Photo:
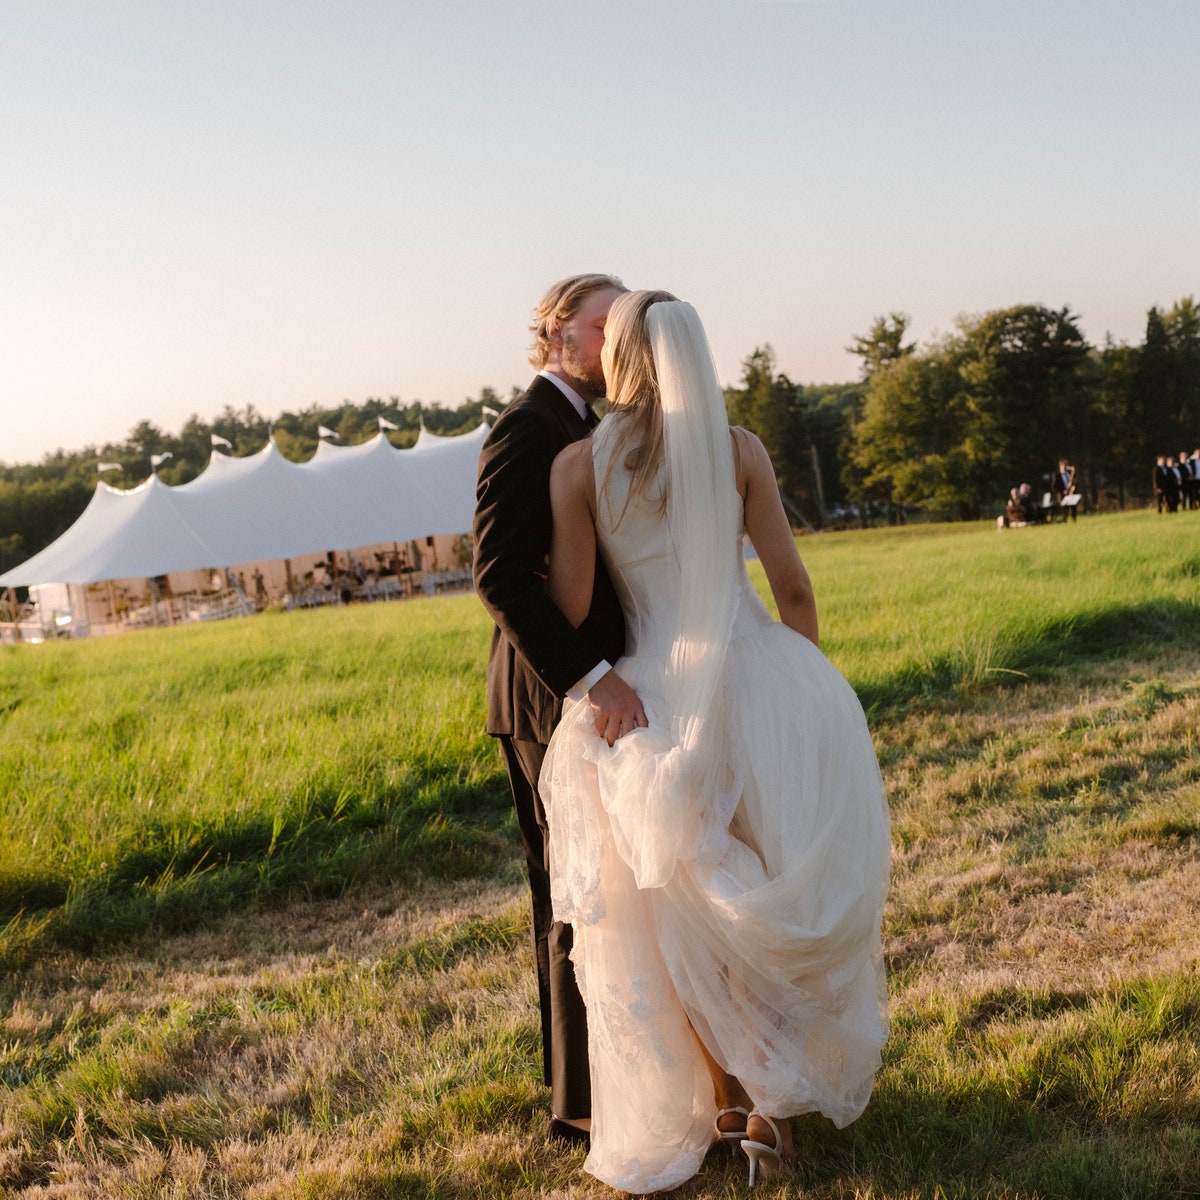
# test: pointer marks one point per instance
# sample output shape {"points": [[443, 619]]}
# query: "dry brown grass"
{"points": [[275, 1051], [1047, 838]]}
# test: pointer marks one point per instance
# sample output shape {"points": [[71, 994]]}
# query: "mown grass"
{"points": [[267, 931]]}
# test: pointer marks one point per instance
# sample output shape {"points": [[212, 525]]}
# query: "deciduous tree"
{"points": [[994, 403], [883, 344], [773, 407]]}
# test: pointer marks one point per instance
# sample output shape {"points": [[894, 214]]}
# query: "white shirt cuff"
{"points": [[584, 686]]}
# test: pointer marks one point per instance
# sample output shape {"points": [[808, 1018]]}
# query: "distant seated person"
{"points": [[1014, 511], [1062, 485], [1033, 510]]}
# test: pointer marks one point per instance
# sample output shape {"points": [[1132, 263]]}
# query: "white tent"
{"points": [[264, 507]]}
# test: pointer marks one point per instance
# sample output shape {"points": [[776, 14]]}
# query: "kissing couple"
{"points": [[703, 817]]}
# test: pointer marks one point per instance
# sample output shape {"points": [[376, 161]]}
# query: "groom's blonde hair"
{"points": [[560, 304]]}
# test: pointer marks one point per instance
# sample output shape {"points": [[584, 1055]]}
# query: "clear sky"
{"points": [[289, 203]]}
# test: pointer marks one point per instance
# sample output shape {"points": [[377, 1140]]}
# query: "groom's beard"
{"points": [[586, 375]]}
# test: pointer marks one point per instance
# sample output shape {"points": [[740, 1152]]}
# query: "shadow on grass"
{"points": [[1043, 651], [982, 1145], [168, 878], [1073, 1094]]}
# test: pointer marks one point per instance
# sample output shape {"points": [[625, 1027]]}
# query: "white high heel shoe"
{"points": [[770, 1156], [732, 1138]]}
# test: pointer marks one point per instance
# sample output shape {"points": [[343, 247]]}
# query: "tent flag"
{"points": [[264, 507]]}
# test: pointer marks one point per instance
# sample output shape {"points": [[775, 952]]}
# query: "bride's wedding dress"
{"points": [[762, 859]]}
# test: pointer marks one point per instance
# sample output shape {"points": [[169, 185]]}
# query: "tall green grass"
{"points": [[930, 609], [169, 776], [165, 777]]}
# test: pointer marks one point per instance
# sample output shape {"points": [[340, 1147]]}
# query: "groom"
{"points": [[536, 656]]}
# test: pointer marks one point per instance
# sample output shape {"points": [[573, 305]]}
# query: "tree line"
{"points": [[945, 428]]}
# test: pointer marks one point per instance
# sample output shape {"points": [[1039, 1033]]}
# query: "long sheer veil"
{"points": [[686, 787], [701, 511]]}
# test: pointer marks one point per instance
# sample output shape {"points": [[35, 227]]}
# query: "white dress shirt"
{"points": [[579, 403]]}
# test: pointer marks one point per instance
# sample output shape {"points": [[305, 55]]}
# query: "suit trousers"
{"points": [[564, 1014]]}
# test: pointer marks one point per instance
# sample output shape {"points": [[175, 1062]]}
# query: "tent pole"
{"points": [[112, 602], [167, 589], [287, 569]]}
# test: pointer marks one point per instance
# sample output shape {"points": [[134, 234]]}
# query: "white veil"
{"points": [[685, 785], [701, 512]]}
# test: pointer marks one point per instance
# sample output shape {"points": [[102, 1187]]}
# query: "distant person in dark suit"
{"points": [[537, 657], [1159, 480], [1187, 481], [1172, 484]]}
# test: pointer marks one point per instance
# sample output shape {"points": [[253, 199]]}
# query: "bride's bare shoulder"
{"points": [[571, 458], [748, 453], [572, 468], [743, 440]]}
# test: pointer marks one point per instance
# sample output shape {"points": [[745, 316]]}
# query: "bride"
{"points": [[725, 864]]}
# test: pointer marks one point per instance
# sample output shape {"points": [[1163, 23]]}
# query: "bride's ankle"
{"points": [[731, 1118], [759, 1129]]}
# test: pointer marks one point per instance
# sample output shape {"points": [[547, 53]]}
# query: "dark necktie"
{"points": [[591, 420]]}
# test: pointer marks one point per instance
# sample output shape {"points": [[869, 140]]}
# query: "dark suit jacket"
{"points": [[1063, 486], [1170, 483], [535, 655]]}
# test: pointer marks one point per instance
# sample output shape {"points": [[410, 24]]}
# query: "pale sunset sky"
{"points": [[288, 203]]}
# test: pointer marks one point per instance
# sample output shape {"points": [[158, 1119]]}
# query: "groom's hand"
{"points": [[615, 707]]}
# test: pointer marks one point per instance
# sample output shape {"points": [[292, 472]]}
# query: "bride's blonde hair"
{"points": [[632, 387]]}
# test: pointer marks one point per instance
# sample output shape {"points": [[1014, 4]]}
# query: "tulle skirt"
{"points": [[764, 939]]}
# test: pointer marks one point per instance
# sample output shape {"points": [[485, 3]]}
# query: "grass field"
{"points": [[263, 929]]}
